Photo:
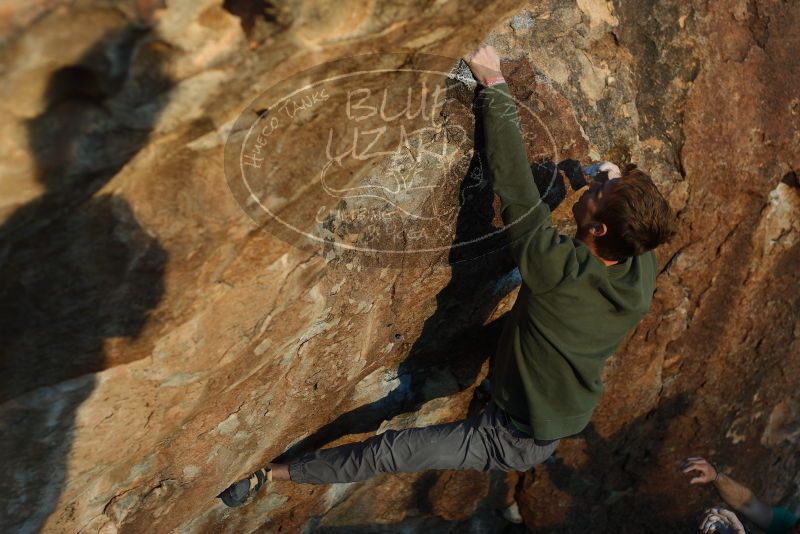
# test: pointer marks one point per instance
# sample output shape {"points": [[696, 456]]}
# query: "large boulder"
{"points": [[162, 337]]}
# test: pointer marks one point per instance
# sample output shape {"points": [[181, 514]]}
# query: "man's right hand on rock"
{"points": [[484, 63]]}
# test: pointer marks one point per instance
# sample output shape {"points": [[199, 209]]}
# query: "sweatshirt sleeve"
{"points": [[782, 521], [545, 257]]}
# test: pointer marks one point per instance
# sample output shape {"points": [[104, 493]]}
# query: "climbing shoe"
{"points": [[512, 514], [242, 492]]}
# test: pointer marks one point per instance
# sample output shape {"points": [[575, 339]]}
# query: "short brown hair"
{"points": [[637, 216]]}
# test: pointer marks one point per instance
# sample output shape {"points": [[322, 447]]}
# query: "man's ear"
{"points": [[598, 229]]}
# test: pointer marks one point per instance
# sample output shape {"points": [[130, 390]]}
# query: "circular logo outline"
{"points": [[450, 75]]}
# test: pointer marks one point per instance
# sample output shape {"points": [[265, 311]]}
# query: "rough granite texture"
{"points": [[157, 345]]}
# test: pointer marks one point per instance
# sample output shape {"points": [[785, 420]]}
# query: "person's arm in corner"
{"points": [[738, 496], [544, 256]]}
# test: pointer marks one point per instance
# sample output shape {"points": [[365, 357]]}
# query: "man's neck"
{"points": [[589, 242]]}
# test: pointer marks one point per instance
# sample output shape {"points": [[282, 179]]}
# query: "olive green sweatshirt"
{"points": [[572, 311]]}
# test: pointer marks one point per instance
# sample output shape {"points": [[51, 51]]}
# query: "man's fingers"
{"points": [[711, 522], [686, 467], [693, 460], [729, 516], [695, 466], [469, 55], [611, 169]]}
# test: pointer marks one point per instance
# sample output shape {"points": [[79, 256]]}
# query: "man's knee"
{"points": [[525, 455], [541, 453]]}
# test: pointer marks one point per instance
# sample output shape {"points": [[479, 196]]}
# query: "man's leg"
{"points": [[445, 446], [482, 443]]}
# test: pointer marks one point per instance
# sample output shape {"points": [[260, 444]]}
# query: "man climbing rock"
{"points": [[579, 298]]}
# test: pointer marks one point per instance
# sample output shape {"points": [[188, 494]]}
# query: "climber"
{"points": [[773, 520], [580, 297]]}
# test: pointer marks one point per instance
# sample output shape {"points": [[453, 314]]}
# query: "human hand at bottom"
{"points": [[703, 470], [721, 521]]}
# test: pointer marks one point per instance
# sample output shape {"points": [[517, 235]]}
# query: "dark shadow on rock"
{"points": [[76, 268], [605, 495], [446, 358], [252, 13], [420, 490], [484, 519]]}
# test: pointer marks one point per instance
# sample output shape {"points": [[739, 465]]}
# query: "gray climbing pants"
{"points": [[484, 442]]}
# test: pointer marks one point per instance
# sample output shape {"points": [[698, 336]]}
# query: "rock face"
{"points": [[158, 344]]}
